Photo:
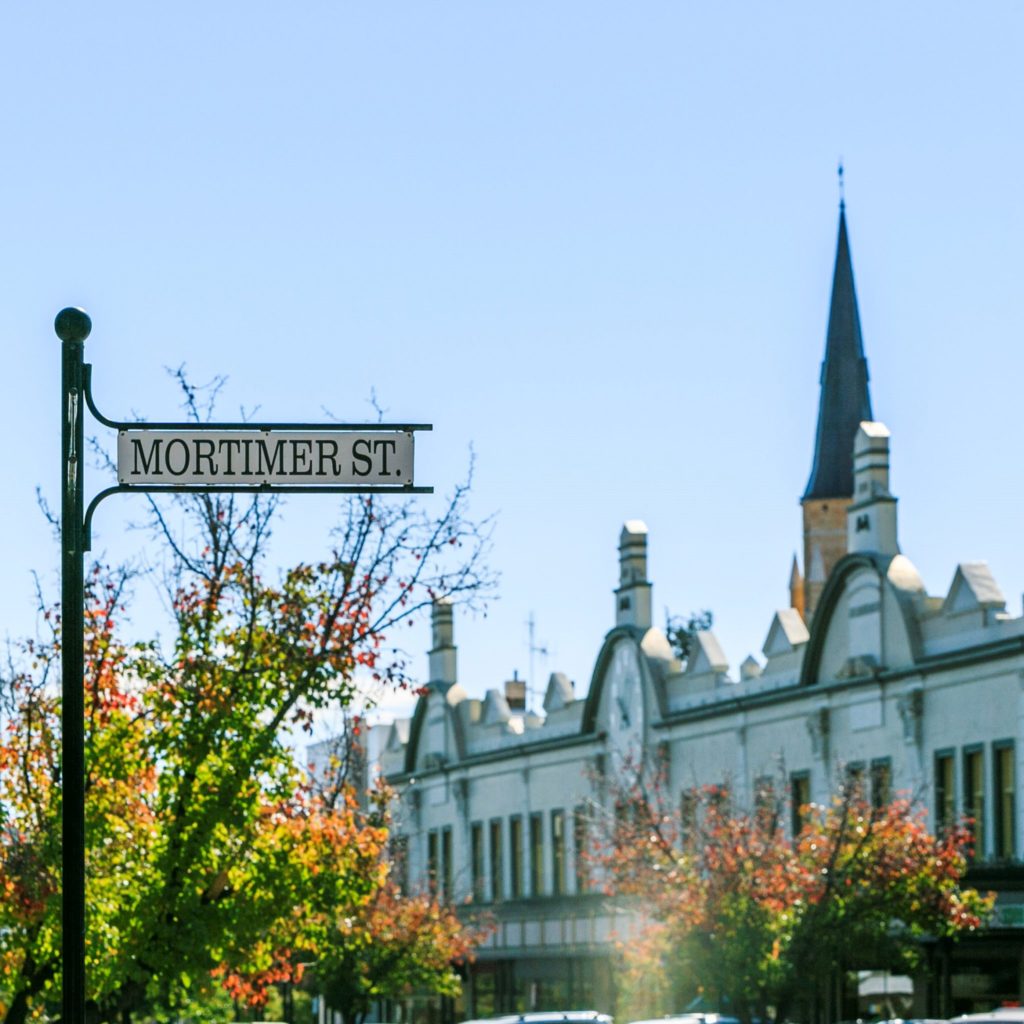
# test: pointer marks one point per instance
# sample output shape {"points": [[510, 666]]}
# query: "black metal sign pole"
{"points": [[72, 327]]}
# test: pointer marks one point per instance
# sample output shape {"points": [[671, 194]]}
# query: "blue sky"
{"points": [[594, 241]]}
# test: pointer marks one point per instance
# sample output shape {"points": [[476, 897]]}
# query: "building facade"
{"points": [[865, 673]]}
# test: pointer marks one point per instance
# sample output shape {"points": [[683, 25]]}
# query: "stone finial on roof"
{"points": [[973, 588], [707, 654], [398, 734], [633, 594], [787, 632], [559, 693], [796, 587], [495, 708], [443, 652], [750, 668]]}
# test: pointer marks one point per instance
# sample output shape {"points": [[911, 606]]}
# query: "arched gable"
{"points": [[875, 584], [438, 705], [647, 644]]}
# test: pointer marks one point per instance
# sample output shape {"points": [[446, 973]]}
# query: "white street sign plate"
{"points": [[255, 457]]}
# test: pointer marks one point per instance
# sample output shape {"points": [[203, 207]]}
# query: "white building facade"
{"points": [[864, 673]]}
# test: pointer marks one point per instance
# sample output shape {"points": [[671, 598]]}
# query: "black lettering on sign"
{"points": [[360, 452], [150, 465], [183, 460], [225, 449], [389, 448], [323, 455], [204, 453], [301, 451], [263, 455], [248, 447]]}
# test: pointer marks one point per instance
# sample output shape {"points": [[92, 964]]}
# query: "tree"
{"points": [[197, 816], [754, 920], [682, 632], [393, 946]]}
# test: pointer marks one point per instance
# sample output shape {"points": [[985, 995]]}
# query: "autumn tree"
{"points": [[196, 814], [366, 943], [737, 910]]}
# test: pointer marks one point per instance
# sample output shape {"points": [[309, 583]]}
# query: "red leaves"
{"points": [[732, 898]]}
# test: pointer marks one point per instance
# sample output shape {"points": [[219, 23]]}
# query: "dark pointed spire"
{"points": [[845, 399]]}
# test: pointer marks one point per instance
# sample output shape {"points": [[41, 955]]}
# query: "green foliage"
{"points": [[203, 839], [739, 912], [682, 632]]}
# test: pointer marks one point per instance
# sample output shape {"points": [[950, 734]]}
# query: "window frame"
{"points": [[515, 848], [478, 866], [495, 840], [797, 820], [946, 798], [1004, 833], [978, 830], [536, 841], [558, 880]]}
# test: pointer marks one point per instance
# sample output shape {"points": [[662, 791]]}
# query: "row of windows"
{"points": [[973, 793], [527, 841], [490, 843], [873, 779]]}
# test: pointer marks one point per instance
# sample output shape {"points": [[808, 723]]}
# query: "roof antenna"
{"points": [[842, 197], [535, 648]]}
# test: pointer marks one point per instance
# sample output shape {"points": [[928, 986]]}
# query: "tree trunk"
{"points": [[37, 977], [18, 1009]]}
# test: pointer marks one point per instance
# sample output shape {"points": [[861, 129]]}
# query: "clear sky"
{"points": [[592, 240]]}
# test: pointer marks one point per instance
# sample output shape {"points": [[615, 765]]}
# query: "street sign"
{"points": [[160, 458], [264, 458]]}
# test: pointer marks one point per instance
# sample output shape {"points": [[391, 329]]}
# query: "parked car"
{"points": [[548, 1017], [1001, 1015], [690, 1018]]}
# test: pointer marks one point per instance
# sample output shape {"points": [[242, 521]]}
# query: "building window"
{"points": [[446, 861], [974, 796], [765, 811], [854, 776], [881, 783], [579, 839], [945, 791], [476, 842], [558, 852], [400, 858], [688, 803], [1005, 799], [536, 855], [799, 799], [497, 889], [515, 859], [432, 863]]}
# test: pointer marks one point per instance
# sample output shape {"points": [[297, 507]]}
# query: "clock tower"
{"points": [[633, 595]]}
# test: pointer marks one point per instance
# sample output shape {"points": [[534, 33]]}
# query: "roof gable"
{"points": [[787, 632], [559, 693], [973, 588], [707, 654]]}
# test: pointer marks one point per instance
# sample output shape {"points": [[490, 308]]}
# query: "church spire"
{"points": [[845, 400]]}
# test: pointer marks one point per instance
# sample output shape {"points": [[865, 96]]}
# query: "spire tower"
{"points": [[844, 403]]}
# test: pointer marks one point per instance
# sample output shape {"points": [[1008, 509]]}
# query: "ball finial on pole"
{"points": [[72, 324]]}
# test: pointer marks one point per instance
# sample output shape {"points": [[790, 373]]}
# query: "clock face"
{"points": [[625, 700]]}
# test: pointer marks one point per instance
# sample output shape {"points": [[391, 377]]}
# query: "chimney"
{"points": [[633, 596], [871, 519], [442, 654], [515, 693]]}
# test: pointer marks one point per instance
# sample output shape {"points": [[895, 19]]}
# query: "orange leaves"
{"points": [[734, 901]]}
